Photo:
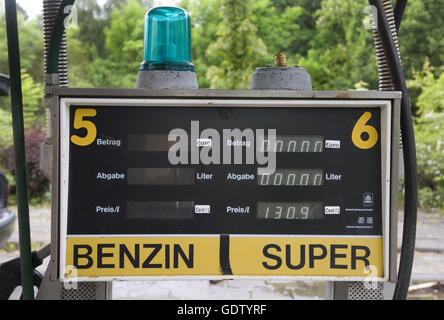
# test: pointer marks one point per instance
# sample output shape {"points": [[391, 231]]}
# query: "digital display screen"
{"points": [[161, 176], [292, 177], [149, 142], [290, 210], [160, 209], [220, 178], [286, 143]]}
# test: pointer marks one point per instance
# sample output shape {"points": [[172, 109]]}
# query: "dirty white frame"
{"points": [[386, 114]]}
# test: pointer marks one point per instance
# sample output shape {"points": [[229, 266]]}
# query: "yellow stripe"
{"points": [[306, 256], [199, 256]]}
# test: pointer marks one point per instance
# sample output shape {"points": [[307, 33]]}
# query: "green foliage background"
{"points": [[230, 38]]}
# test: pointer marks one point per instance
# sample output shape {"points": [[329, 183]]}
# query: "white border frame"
{"points": [[386, 114]]}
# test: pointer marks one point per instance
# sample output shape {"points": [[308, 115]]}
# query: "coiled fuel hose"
{"points": [[391, 77], [55, 54]]}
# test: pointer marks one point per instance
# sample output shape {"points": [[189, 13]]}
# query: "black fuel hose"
{"points": [[19, 150], [409, 152], [398, 11]]}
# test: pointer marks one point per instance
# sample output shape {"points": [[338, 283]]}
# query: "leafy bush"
{"points": [[38, 184], [32, 115], [429, 131], [5, 139], [5, 128], [430, 154]]}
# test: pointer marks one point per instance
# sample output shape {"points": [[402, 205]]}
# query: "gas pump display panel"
{"points": [[163, 188]]}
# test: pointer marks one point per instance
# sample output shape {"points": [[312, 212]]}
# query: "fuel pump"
{"points": [[220, 184]]}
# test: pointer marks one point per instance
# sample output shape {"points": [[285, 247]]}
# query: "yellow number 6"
{"points": [[91, 130], [360, 128]]}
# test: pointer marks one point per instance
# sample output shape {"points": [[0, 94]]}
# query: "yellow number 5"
{"points": [[360, 127], [91, 130]]}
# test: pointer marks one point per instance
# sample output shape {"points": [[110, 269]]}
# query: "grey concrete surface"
{"points": [[281, 78], [428, 266], [166, 79]]}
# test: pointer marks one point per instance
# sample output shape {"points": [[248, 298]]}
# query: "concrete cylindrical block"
{"points": [[281, 78], [166, 79]]}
